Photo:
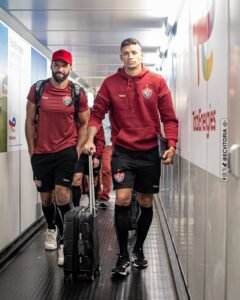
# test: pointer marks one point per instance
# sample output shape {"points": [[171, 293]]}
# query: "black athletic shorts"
{"points": [[139, 170], [83, 166], [54, 169]]}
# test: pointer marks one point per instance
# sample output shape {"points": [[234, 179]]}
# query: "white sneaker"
{"points": [[51, 239], [60, 255]]}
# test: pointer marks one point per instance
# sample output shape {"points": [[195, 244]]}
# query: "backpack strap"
{"points": [[75, 94], [75, 91], [39, 85]]}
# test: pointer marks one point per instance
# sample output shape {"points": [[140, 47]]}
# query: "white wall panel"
{"points": [[216, 200], [200, 97], [233, 204], [196, 231], [28, 193], [19, 200], [215, 238], [9, 187]]}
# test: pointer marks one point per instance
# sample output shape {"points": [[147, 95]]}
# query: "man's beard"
{"points": [[132, 68], [59, 79]]}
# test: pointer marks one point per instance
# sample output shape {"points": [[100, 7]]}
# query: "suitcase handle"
{"points": [[91, 187]]}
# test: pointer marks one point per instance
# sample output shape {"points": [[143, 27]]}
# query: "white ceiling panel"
{"points": [[93, 30], [159, 6], [88, 20]]}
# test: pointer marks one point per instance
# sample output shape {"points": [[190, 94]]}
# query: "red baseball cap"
{"points": [[62, 55]]}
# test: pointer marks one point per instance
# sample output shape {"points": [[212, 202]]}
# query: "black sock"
{"points": [[76, 195], [144, 223], [49, 214], [62, 209], [122, 225]]}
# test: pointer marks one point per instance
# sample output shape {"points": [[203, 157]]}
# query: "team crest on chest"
{"points": [[147, 92], [67, 100]]}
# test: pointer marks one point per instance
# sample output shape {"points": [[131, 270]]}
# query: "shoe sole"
{"points": [[140, 266], [60, 264], [50, 248], [120, 274], [103, 204], [102, 207]]}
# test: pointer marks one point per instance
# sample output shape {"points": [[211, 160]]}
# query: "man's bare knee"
{"points": [[62, 195], [145, 200], [77, 179], [123, 197], [46, 198]]}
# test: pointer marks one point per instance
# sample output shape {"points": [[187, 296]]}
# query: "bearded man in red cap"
{"points": [[54, 142]]}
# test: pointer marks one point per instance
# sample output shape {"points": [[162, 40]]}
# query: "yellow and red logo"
{"points": [[202, 30]]}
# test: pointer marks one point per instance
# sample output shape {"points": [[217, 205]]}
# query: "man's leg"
{"points": [[62, 199], [146, 183], [144, 223], [65, 166], [123, 198], [48, 209], [44, 180], [77, 188], [77, 183], [106, 177]]}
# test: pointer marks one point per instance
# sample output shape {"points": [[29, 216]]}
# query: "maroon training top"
{"points": [[56, 129], [136, 105]]}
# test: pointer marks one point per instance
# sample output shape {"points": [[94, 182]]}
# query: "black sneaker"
{"points": [[138, 259], [103, 203], [122, 266]]}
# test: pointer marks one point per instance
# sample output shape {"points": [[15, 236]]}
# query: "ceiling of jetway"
{"points": [[92, 30]]}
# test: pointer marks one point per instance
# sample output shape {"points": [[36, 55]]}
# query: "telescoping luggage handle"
{"points": [[91, 187]]}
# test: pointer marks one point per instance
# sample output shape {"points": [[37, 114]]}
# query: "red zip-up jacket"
{"points": [[99, 141], [136, 105]]}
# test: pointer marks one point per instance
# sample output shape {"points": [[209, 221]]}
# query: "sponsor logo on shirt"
{"points": [[147, 92], [67, 100], [122, 95]]}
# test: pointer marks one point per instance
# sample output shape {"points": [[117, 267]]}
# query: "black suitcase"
{"points": [[134, 212], [81, 245]]}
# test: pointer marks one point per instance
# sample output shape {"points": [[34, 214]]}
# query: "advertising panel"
{"points": [[3, 86], [18, 84], [208, 94], [38, 66], [20, 66]]}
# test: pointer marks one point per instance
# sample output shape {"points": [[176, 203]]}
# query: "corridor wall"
{"points": [[194, 189], [22, 62]]}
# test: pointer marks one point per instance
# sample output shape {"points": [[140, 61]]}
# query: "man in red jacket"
{"points": [[54, 143], [137, 100]]}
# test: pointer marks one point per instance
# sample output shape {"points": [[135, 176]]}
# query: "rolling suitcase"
{"points": [[81, 245]]}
